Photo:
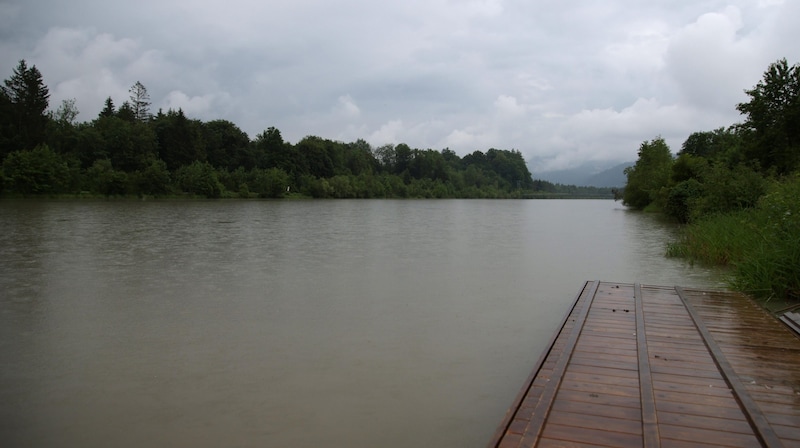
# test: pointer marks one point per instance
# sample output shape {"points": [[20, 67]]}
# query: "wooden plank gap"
{"points": [[650, 435], [758, 421]]}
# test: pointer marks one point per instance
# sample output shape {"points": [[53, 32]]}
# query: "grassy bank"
{"points": [[761, 245]]}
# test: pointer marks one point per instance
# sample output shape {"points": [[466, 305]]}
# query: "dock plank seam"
{"points": [[650, 433], [545, 404], [764, 431]]}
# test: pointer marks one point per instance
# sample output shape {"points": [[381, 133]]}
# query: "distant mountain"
{"points": [[588, 175], [612, 177]]}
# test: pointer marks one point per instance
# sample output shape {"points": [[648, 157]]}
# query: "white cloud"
{"points": [[389, 132], [347, 107], [508, 105], [565, 81], [707, 58], [198, 106], [459, 139]]}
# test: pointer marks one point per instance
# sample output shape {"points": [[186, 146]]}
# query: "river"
{"points": [[392, 323]]}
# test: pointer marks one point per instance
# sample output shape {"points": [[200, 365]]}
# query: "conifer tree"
{"points": [[108, 109], [28, 98]]}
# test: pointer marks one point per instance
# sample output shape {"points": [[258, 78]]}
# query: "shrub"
{"points": [[269, 183], [773, 268], [681, 199], [199, 178], [38, 171], [761, 244], [104, 179]]}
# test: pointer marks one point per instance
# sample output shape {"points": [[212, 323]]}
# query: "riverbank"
{"points": [[760, 245]]}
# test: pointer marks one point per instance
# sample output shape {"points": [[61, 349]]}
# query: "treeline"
{"points": [[738, 188], [126, 150]]}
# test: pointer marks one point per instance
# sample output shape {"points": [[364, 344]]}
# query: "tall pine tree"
{"points": [[26, 97]]}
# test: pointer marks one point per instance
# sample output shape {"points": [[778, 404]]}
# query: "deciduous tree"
{"points": [[773, 117], [649, 175]]}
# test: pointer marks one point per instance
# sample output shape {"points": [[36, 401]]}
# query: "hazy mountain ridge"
{"points": [[588, 175]]}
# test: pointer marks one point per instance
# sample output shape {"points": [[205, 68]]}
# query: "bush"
{"points": [[761, 244], [38, 171], [104, 179], [682, 198], [773, 268], [729, 189], [269, 183], [154, 179], [199, 178]]}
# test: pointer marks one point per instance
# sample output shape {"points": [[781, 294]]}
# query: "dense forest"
{"points": [[128, 151], [737, 188]]}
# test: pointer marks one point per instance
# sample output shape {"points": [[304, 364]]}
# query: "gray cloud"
{"points": [[563, 82]]}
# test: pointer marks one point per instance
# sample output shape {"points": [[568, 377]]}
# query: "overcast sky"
{"points": [[563, 82]]}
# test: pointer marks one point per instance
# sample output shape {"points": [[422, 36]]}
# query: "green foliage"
{"points": [[359, 158], [269, 183], [24, 99], [180, 140], [227, 146], [126, 151], [61, 134], [720, 144], [66, 112], [38, 171], [682, 199], [772, 269], [385, 157], [649, 176], [199, 178], [154, 179], [761, 244], [315, 157], [130, 145], [716, 239], [723, 184], [773, 118], [126, 112], [687, 167], [104, 179], [727, 189], [108, 108]]}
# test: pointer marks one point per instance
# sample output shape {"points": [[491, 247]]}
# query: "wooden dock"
{"points": [[650, 366]]}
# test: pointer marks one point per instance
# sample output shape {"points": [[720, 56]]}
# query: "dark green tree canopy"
{"points": [[227, 146], [180, 140], [650, 174], [125, 150], [773, 117], [27, 98], [108, 108]]}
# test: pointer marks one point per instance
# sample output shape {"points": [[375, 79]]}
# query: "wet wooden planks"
{"points": [[657, 366]]}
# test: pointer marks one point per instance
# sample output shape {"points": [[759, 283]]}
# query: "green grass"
{"points": [[761, 245], [718, 239]]}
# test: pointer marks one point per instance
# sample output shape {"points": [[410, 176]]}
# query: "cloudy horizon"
{"points": [[562, 82]]}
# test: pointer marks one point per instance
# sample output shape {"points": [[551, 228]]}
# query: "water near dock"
{"points": [[293, 323]]}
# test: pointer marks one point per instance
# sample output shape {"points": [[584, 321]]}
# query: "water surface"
{"points": [[294, 323]]}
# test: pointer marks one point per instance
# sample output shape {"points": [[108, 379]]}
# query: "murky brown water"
{"points": [[293, 324]]}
